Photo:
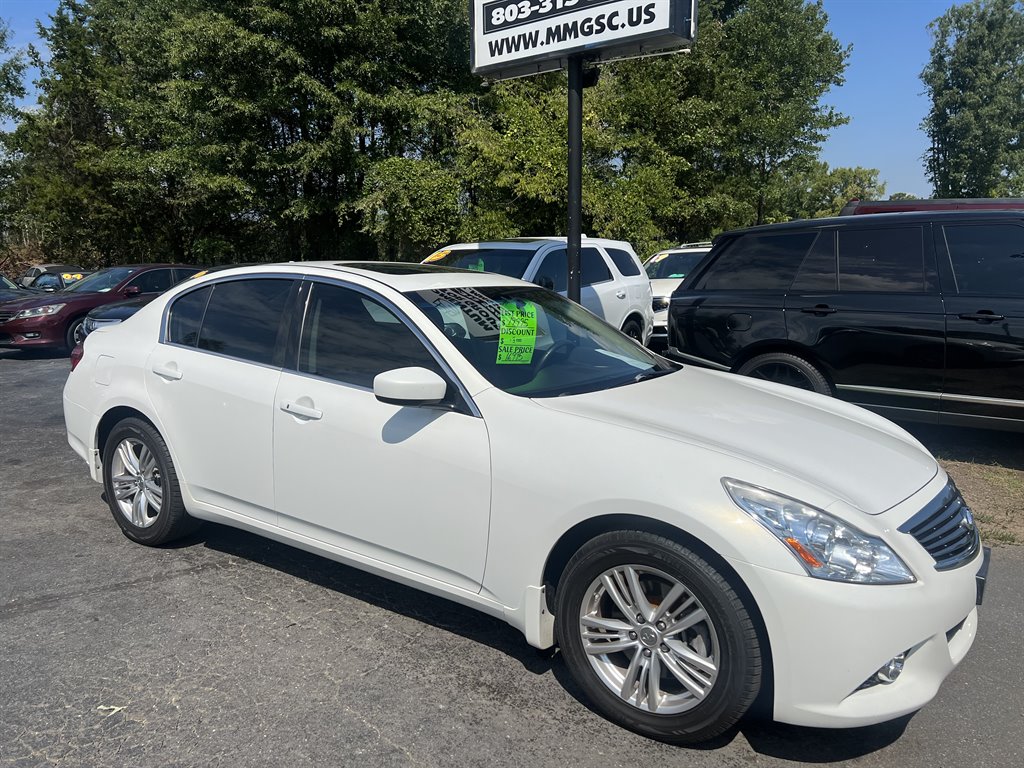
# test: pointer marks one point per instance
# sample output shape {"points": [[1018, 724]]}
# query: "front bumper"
{"points": [[31, 333], [829, 638]]}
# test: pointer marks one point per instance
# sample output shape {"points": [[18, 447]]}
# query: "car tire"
{"points": [[72, 331], [785, 368], [707, 670], [141, 485], [633, 329]]}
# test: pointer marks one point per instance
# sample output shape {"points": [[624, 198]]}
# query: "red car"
{"points": [[50, 320]]}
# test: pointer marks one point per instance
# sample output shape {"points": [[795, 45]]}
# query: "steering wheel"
{"points": [[542, 359]]}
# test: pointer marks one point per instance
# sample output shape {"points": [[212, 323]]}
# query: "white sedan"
{"points": [[690, 539]]}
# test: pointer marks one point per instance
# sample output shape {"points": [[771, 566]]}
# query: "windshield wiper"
{"points": [[653, 373]]}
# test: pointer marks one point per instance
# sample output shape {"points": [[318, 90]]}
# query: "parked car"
{"points": [[31, 273], [484, 439], [915, 315], [666, 270], [11, 291], [612, 281], [860, 207], [56, 281], [118, 312], [52, 320]]}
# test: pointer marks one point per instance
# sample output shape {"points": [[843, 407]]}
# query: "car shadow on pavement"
{"points": [[809, 745], [33, 354], [980, 446], [375, 590]]}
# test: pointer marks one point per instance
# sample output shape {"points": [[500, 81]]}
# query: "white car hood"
{"points": [[663, 286], [847, 452]]}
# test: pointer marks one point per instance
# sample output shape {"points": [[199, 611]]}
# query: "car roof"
{"points": [[877, 218], [532, 243], [402, 276]]}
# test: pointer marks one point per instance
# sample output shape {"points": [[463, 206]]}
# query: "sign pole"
{"points": [[575, 190]]}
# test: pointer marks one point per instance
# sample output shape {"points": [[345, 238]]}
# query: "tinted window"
{"points": [[47, 280], [759, 262], [818, 271], [678, 264], [351, 338], [504, 261], [882, 260], [184, 274], [624, 262], [243, 318], [554, 271], [154, 281], [988, 259], [185, 317], [101, 281], [593, 268]]}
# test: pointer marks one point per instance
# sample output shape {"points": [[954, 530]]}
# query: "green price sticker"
{"points": [[517, 333]]}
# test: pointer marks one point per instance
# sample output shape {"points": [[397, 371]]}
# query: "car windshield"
{"points": [[535, 343], [102, 281], [668, 265], [504, 261]]}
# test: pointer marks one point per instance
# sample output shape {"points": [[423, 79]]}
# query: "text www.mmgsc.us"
{"points": [[637, 16]]}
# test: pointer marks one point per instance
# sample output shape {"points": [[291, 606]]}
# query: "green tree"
{"points": [[818, 190], [975, 81]]}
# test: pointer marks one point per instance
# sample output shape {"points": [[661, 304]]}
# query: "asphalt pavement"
{"points": [[228, 649]]}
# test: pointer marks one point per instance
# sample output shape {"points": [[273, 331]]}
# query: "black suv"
{"points": [[915, 315]]}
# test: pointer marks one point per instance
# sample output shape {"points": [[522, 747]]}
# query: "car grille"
{"points": [[946, 529], [5, 316]]}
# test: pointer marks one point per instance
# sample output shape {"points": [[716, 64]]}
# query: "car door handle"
{"points": [[172, 374], [820, 309], [620, 294], [983, 316], [302, 411]]}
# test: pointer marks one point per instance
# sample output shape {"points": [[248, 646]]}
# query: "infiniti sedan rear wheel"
{"points": [[657, 637], [141, 485]]}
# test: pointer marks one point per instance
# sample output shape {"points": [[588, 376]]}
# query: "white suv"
{"points": [[613, 284], [667, 269]]}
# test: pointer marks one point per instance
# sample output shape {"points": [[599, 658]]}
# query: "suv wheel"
{"points": [[633, 329], [784, 368]]}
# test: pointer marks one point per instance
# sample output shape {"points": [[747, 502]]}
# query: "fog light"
{"points": [[888, 672], [31, 335]]}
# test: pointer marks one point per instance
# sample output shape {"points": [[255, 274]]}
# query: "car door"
{"points": [[865, 302], [407, 486], [213, 380], [983, 289], [737, 299]]}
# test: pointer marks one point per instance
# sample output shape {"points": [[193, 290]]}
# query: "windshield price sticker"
{"points": [[436, 256], [518, 333]]}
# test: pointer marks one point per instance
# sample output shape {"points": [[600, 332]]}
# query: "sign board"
{"points": [[514, 38]]}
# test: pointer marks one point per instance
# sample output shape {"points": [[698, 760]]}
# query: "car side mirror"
{"points": [[132, 290], [409, 386], [546, 282]]}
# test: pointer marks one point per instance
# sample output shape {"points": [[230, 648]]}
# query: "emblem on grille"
{"points": [[967, 521]]}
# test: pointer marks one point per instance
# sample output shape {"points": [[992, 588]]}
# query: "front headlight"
{"points": [[49, 309], [827, 547]]}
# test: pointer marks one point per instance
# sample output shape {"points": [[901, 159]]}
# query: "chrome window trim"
{"points": [[673, 352]]}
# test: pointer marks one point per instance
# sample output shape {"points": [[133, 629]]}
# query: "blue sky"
{"points": [[883, 95]]}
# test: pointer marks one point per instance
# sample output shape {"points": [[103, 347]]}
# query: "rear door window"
{"points": [[593, 268], [243, 319], [988, 259], [818, 271], [758, 262], [186, 316], [624, 262], [887, 260]]}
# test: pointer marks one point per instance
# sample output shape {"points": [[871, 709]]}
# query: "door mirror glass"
{"points": [[409, 386]]}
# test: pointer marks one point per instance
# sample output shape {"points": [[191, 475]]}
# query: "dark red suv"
{"points": [[50, 320]]}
